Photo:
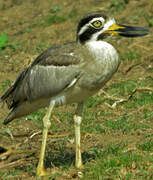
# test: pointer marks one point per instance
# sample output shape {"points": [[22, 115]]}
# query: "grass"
{"points": [[3, 41], [55, 9], [147, 146], [5, 85], [55, 17], [149, 20], [113, 159], [116, 163], [117, 143], [118, 5], [10, 174], [103, 160]]}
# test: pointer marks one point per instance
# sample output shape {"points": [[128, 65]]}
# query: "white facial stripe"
{"points": [[106, 26], [109, 23], [84, 28], [95, 19]]}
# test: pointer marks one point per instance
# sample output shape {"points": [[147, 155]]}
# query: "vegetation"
{"points": [[117, 127]]}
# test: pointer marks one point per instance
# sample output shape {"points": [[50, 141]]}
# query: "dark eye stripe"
{"points": [[85, 28], [86, 35], [89, 17]]}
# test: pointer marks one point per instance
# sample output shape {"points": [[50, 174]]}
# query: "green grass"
{"points": [[149, 20], [116, 143], [41, 47], [55, 9], [118, 5], [3, 41], [55, 17], [5, 85], [147, 146], [111, 162], [9, 175]]}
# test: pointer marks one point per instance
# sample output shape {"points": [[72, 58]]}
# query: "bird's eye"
{"points": [[97, 24]]}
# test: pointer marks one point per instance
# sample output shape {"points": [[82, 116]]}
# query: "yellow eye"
{"points": [[97, 24]]}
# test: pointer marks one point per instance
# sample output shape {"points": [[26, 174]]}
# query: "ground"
{"points": [[117, 128]]}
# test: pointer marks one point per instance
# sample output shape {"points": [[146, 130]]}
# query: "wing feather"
{"points": [[46, 81], [51, 72]]}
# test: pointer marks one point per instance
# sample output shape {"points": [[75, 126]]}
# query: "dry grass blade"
{"points": [[4, 155], [139, 46], [117, 136], [12, 164], [108, 96], [118, 100], [139, 89], [131, 67], [34, 134]]}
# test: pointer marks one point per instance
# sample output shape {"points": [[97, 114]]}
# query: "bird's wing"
{"points": [[49, 74]]}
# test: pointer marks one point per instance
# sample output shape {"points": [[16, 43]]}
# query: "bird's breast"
{"points": [[103, 64], [103, 54]]}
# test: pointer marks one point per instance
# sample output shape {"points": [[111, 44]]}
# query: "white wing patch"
{"points": [[72, 83], [69, 54]]}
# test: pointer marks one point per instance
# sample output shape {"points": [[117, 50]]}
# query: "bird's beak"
{"points": [[127, 31]]}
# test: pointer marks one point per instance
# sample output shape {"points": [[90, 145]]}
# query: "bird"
{"points": [[69, 73]]}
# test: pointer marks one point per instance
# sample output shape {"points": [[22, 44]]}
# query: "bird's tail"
{"points": [[9, 118], [7, 98]]}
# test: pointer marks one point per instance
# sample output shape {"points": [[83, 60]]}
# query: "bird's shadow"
{"points": [[66, 159]]}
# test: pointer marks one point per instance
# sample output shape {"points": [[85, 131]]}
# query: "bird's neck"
{"points": [[102, 51]]}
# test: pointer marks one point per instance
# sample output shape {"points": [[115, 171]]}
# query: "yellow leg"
{"points": [[77, 122], [46, 121]]}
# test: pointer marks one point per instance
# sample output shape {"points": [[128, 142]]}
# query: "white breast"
{"points": [[102, 50], [104, 54]]}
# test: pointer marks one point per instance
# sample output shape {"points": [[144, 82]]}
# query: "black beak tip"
{"points": [[131, 31]]}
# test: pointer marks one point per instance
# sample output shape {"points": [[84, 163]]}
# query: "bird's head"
{"points": [[98, 26]]}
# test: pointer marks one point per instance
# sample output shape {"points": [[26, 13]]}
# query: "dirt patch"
{"points": [[30, 29]]}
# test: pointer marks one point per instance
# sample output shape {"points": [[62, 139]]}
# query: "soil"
{"points": [[29, 33]]}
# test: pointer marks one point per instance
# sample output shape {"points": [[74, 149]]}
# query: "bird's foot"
{"points": [[41, 172]]}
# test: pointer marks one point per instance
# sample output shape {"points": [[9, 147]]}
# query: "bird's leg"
{"points": [[46, 121], [77, 122]]}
